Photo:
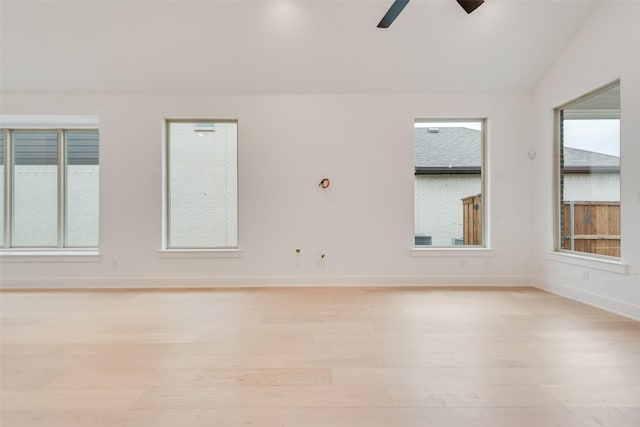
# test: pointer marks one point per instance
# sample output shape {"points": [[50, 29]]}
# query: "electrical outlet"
{"points": [[463, 263], [485, 262], [585, 274]]}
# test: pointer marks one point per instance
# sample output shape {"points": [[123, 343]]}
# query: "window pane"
{"points": [[590, 175], [82, 181], [35, 182], [203, 194], [1, 187], [448, 183]]}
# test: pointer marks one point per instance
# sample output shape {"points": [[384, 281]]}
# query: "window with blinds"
{"points": [[52, 199]]}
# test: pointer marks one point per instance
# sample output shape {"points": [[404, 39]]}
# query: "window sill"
{"points": [[200, 253], [611, 265], [452, 252], [54, 255]]}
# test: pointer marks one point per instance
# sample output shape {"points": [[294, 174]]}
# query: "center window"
{"points": [[202, 184], [449, 183]]}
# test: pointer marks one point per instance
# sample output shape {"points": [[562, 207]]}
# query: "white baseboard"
{"points": [[619, 307], [612, 305], [254, 281]]}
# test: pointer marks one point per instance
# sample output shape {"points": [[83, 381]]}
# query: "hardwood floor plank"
{"points": [[632, 413], [463, 395], [311, 357], [601, 395], [122, 379], [85, 418], [394, 359], [315, 417], [69, 399], [269, 377], [457, 417], [486, 375], [268, 396]]}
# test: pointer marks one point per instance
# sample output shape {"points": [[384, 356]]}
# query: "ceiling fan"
{"points": [[397, 6]]}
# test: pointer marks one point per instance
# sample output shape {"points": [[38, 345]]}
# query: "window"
{"points": [[588, 174], [44, 208], [2, 180], [202, 184], [449, 183]]}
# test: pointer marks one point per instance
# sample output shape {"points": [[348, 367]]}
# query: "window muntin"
{"points": [[588, 178], [36, 213], [449, 183], [202, 184]]}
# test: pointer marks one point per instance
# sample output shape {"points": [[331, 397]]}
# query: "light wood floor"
{"points": [[355, 357]]}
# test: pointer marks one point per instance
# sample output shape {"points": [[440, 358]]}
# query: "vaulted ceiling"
{"points": [[281, 47]]}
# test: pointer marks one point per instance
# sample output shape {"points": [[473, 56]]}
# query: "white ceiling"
{"points": [[284, 47]]}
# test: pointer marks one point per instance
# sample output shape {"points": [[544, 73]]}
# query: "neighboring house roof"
{"points": [[583, 161], [457, 150], [447, 150]]}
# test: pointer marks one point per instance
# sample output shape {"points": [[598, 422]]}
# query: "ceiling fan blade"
{"points": [[470, 5], [393, 13]]}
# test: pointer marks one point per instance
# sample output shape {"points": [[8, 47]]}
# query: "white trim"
{"points": [[55, 255], [610, 265], [452, 252], [611, 113], [257, 281], [19, 121], [485, 190], [623, 308], [200, 253]]}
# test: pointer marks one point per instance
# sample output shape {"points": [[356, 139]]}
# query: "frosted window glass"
{"points": [[35, 183], [203, 190], [82, 189]]}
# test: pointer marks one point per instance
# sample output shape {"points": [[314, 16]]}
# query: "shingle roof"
{"points": [[460, 148], [574, 157], [447, 147]]}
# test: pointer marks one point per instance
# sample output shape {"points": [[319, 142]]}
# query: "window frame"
{"points": [[166, 249], [557, 173], [7, 245], [485, 247]]}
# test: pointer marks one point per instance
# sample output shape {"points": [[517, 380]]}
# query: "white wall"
{"points": [[605, 49], [364, 221]]}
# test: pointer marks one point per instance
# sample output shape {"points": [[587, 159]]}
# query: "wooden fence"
{"points": [[472, 212], [592, 227]]}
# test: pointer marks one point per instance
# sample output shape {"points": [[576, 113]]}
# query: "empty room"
{"points": [[306, 213]]}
